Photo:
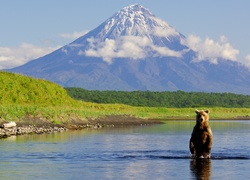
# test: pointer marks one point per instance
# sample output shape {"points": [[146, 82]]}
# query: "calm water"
{"points": [[153, 152]]}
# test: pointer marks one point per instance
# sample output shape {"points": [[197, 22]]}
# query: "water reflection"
{"points": [[201, 168]]}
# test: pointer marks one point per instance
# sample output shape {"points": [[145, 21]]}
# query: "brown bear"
{"points": [[201, 140]]}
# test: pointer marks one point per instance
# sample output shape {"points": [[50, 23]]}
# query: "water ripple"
{"points": [[156, 154]]}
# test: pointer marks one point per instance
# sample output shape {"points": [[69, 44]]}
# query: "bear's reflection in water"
{"points": [[201, 168]]}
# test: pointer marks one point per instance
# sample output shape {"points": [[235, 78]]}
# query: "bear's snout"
{"points": [[200, 118]]}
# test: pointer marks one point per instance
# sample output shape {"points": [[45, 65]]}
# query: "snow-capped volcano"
{"points": [[135, 50], [133, 32], [135, 20]]}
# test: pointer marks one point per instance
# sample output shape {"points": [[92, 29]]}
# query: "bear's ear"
{"points": [[206, 111], [197, 111]]}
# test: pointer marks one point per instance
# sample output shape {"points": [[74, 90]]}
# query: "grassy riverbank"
{"points": [[82, 112], [29, 100]]}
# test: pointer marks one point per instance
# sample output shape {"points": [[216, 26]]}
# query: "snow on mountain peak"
{"points": [[138, 21], [133, 32]]}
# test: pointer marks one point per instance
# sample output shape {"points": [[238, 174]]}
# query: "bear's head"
{"points": [[202, 116]]}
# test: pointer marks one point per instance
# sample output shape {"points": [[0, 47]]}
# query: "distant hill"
{"points": [[20, 89]]}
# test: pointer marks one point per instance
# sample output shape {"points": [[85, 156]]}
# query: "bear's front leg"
{"points": [[191, 147], [208, 144]]}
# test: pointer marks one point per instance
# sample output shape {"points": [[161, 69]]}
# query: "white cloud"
{"points": [[210, 49], [15, 56], [164, 51], [164, 32], [247, 61], [133, 47], [109, 49], [73, 35]]}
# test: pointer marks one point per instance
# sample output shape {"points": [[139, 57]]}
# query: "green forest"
{"points": [[177, 99]]}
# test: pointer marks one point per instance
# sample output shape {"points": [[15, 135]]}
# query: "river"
{"points": [[147, 152]]}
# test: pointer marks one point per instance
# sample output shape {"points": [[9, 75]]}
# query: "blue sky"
{"points": [[30, 29]]}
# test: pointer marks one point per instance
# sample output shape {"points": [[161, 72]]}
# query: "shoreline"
{"points": [[41, 127]]}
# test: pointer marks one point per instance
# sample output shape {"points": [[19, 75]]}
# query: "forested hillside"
{"points": [[178, 99]]}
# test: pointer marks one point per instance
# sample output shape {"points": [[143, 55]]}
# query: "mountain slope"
{"points": [[135, 50]]}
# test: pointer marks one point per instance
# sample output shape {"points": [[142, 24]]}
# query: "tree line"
{"points": [[176, 99]]}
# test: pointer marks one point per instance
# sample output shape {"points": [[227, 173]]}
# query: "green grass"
{"points": [[22, 90], [83, 111], [24, 98], [189, 113]]}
